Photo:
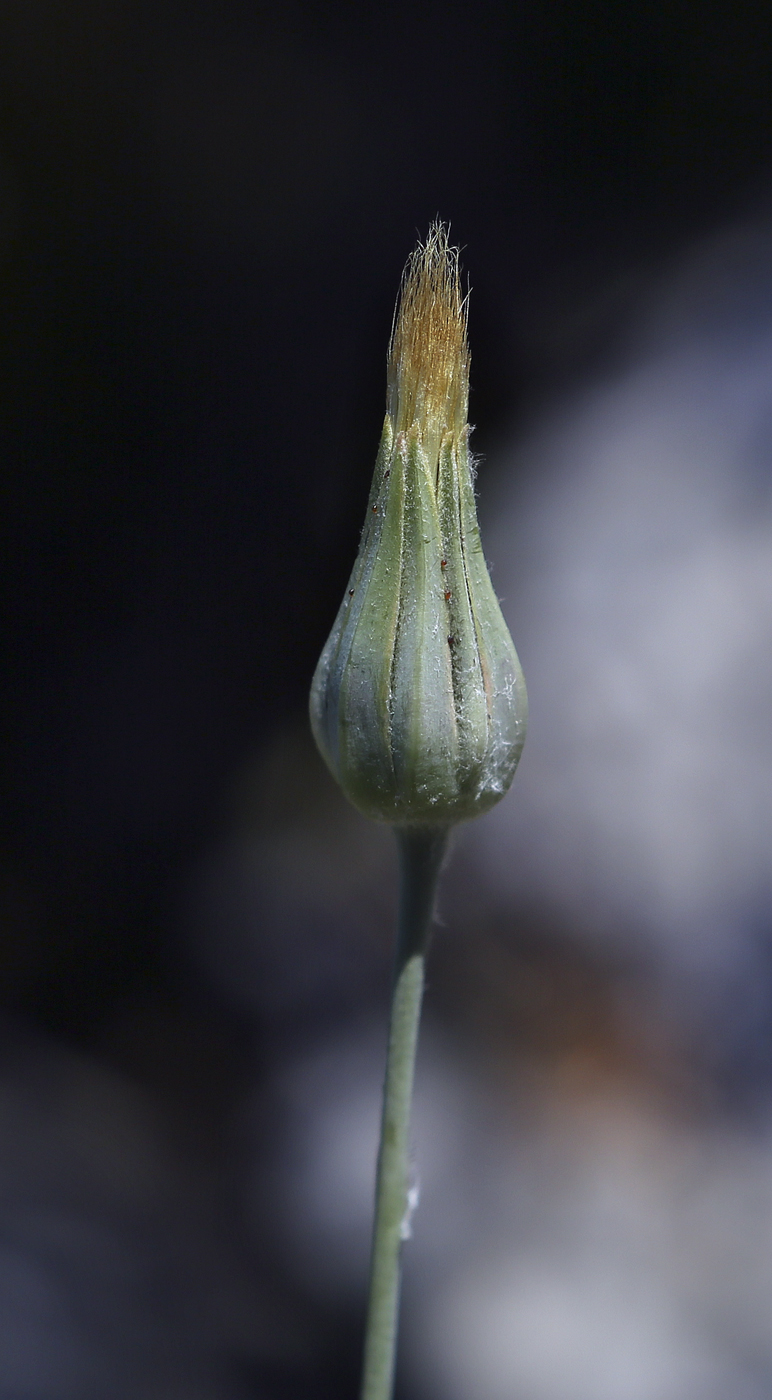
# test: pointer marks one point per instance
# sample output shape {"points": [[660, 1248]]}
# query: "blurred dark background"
{"points": [[204, 214]]}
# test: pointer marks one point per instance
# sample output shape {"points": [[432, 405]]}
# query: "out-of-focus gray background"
{"points": [[204, 214]]}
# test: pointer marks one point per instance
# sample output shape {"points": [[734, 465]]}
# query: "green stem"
{"points": [[421, 852]]}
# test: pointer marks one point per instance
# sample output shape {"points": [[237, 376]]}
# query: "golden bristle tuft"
{"points": [[428, 381]]}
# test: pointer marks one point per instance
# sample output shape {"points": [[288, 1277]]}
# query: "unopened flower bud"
{"points": [[418, 702]]}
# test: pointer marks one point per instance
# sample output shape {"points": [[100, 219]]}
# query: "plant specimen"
{"points": [[418, 703]]}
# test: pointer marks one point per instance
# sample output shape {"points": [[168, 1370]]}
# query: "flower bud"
{"points": [[418, 703]]}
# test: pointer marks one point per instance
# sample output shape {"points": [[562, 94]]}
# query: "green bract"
{"points": [[418, 703]]}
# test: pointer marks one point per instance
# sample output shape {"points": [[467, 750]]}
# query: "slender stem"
{"points": [[421, 852]]}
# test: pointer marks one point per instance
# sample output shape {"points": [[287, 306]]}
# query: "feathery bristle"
{"points": [[428, 353]]}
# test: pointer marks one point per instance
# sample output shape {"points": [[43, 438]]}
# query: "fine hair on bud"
{"points": [[428, 374]]}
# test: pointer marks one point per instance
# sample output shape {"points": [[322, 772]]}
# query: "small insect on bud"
{"points": [[418, 703]]}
